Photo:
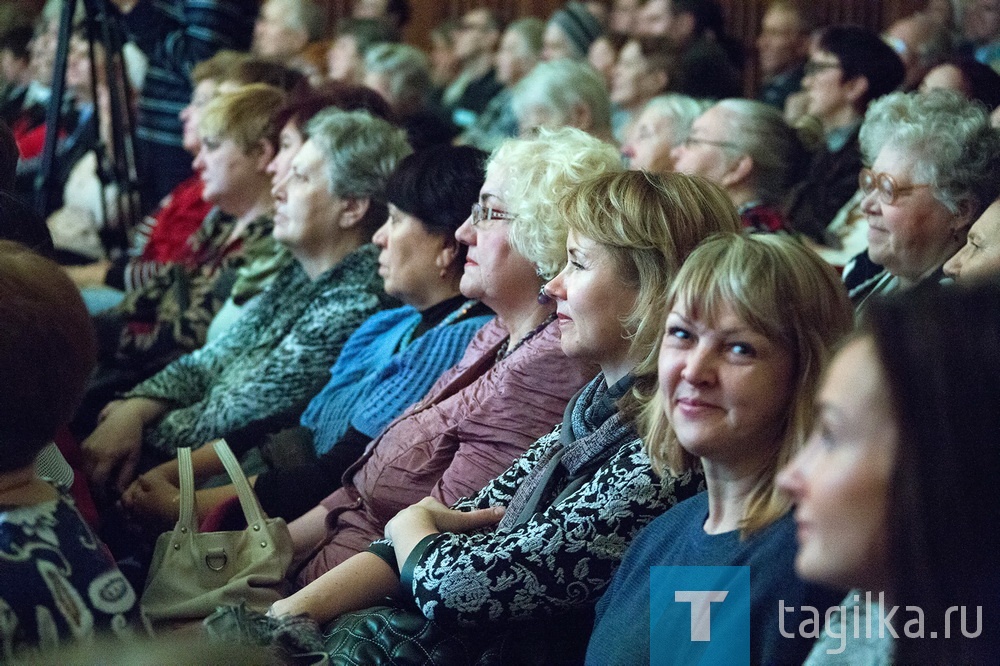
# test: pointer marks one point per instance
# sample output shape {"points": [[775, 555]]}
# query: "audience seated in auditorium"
{"points": [[513, 381], [277, 355], [752, 322], [748, 149], [599, 488], [170, 314], [387, 364]]}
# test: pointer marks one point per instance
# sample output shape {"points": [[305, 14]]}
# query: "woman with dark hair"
{"points": [[971, 78], [896, 490], [58, 583], [387, 364]]}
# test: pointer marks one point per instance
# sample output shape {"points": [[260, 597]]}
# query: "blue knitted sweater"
{"points": [[380, 360]]}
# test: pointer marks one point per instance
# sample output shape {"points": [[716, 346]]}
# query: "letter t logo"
{"points": [[701, 610]]}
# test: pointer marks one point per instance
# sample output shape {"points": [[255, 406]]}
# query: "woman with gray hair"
{"points": [[662, 124], [747, 148], [402, 75], [278, 354], [935, 167], [563, 93]]}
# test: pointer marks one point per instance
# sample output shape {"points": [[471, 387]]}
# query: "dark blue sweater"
{"points": [[677, 538]]}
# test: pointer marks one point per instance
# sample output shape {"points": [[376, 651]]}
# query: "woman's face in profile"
{"points": [[411, 258], [840, 481], [494, 271], [592, 301]]}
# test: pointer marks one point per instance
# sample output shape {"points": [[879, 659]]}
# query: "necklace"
{"points": [[503, 352]]}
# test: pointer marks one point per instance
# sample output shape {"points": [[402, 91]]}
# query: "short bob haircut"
{"points": [[245, 116], [538, 172], [360, 153], [785, 292], [955, 148], [940, 354], [47, 350], [649, 223], [759, 130], [559, 86], [438, 186]]}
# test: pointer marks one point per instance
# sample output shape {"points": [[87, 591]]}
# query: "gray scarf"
{"points": [[592, 431]]}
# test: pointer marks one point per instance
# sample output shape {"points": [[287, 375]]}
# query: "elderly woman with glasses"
{"points": [[749, 150], [514, 379], [935, 167]]}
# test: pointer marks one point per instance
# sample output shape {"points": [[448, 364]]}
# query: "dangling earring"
{"points": [[543, 296]]}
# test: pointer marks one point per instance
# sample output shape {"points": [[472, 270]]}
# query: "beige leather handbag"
{"points": [[194, 572]]}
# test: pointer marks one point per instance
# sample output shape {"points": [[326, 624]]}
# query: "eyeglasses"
{"points": [[888, 189], [815, 67], [481, 214], [691, 141]]}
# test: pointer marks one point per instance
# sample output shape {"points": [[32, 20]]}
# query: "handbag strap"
{"points": [[252, 510], [185, 520]]}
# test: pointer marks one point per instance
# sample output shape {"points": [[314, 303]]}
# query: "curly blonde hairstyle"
{"points": [[539, 172], [787, 293]]}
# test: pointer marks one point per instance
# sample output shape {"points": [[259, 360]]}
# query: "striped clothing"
{"points": [[176, 36]]}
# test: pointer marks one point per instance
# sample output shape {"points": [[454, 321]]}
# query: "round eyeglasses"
{"points": [[888, 189], [481, 214]]}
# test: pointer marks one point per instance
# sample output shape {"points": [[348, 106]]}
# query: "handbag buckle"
{"points": [[216, 559]]}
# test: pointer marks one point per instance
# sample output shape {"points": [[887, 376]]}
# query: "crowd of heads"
{"points": [[873, 424]]}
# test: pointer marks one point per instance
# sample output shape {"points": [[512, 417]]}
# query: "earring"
{"points": [[543, 296]]}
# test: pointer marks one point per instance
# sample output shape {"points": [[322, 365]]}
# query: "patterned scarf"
{"points": [[592, 431]]}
